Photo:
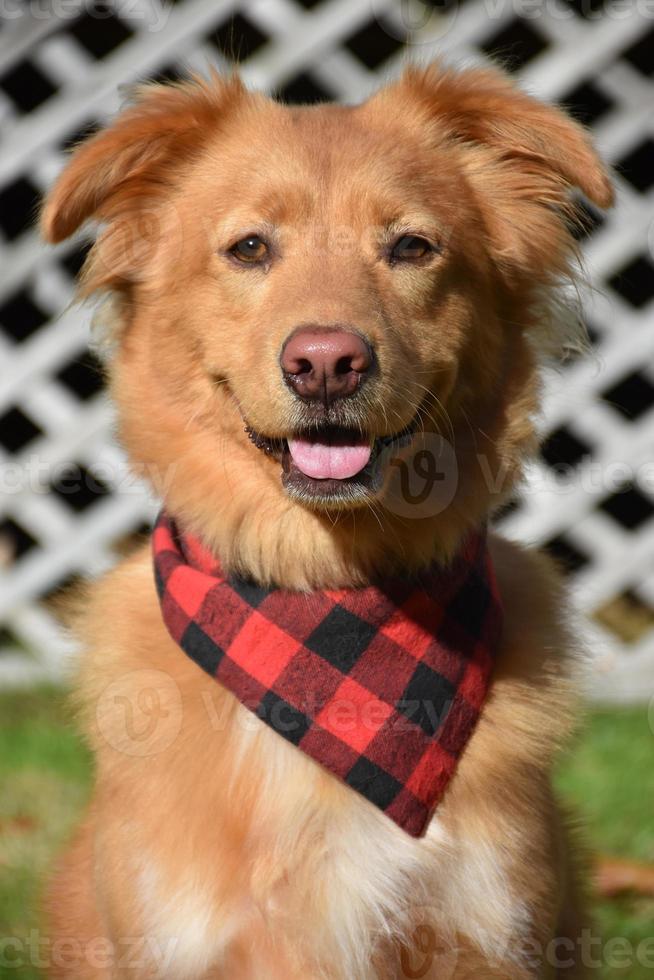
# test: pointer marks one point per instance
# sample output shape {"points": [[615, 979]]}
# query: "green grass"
{"points": [[45, 774], [608, 777]]}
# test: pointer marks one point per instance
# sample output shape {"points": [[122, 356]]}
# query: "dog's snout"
{"points": [[325, 364]]}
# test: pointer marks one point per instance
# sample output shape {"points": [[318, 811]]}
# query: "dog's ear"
{"points": [[483, 106], [129, 160], [523, 158]]}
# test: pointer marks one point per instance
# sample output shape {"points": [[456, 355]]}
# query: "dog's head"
{"points": [[302, 289]]}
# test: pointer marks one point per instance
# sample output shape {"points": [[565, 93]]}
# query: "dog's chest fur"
{"points": [[236, 840], [337, 862]]}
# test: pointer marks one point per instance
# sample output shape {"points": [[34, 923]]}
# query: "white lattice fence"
{"points": [[67, 497]]}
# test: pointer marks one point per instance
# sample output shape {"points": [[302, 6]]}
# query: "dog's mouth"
{"points": [[330, 464]]}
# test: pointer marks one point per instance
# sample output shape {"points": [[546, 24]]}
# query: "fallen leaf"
{"points": [[615, 876]]}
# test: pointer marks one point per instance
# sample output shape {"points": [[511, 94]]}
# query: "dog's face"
{"points": [[304, 288], [320, 266]]}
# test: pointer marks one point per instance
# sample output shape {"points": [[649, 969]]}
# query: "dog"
{"points": [[326, 326]]}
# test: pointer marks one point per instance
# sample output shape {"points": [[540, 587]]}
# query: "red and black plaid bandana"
{"points": [[381, 685]]}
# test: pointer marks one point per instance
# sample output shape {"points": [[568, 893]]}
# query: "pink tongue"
{"points": [[324, 461]]}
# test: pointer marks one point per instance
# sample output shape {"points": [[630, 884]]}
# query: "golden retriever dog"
{"points": [[300, 297]]}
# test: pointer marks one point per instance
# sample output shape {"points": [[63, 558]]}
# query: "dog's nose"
{"points": [[325, 363]]}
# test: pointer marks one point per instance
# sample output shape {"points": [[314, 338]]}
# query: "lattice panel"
{"points": [[67, 497]]}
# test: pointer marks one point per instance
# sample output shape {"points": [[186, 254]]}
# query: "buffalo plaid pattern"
{"points": [[381, 685]]}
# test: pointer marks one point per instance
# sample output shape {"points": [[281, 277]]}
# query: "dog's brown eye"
{"points": [[250, 249], [409, 248]]}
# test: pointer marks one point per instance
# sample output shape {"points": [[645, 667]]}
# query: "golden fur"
{"points": [[223, 849]]}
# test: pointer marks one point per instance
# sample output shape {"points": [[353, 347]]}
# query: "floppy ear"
{"points": [[523, 158], [130, 159], [483, 106]]}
